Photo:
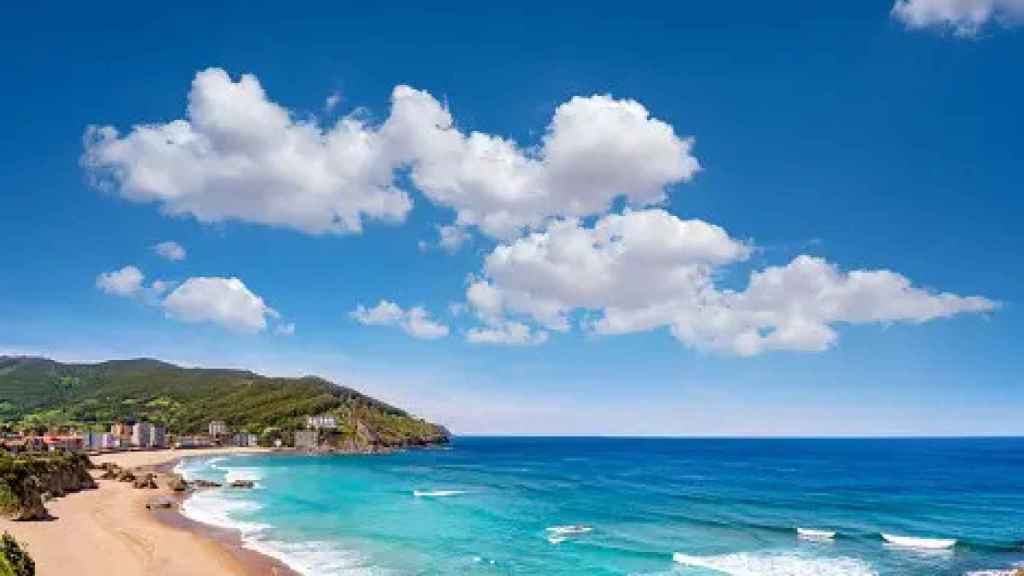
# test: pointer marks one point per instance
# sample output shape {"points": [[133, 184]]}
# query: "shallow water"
{"points": [[559, 506]]}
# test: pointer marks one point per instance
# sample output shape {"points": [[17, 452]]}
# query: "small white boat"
{"points": [[815, 534], [922, 543]]}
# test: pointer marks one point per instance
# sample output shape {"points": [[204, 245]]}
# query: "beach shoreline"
{"points": [[108, 531]]}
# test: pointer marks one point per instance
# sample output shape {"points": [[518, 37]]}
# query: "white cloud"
{"points": [[418, 324], [223, 301], [416, 321], [332, 101], [124, 282], [452, 238], [595, 149], [287, 329], [648, 269], [963, 17], [170, 250], [508, 333], [239, 156]]}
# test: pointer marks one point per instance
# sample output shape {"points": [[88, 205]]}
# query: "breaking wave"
{"points": [[777, 564]]}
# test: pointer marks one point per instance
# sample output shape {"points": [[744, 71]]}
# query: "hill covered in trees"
{"points": [[42, 393]]}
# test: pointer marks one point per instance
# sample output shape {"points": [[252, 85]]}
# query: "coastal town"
{"points": [[143, 435]]}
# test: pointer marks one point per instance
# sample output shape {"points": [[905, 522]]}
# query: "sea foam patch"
{"points": [[216, 508], [777, 564], [316, 558]]}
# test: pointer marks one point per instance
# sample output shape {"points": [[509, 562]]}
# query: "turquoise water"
{"points": [[558, 506]]}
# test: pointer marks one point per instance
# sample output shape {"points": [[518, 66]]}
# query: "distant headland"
{"points": [[135, 404]]}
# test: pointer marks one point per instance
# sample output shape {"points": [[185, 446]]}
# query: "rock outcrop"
{"points": [[145, 481], [26, 478], [177, 483]]}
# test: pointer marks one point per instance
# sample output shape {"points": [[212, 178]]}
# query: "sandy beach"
{"points": [[109, 531]]}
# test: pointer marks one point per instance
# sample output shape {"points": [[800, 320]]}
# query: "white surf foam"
{"points": [[559, 534], [812, 534], [316, 558], [216, 508], [919, 543], [436, 493], [247, 473], [777, 564], [569, 529]]}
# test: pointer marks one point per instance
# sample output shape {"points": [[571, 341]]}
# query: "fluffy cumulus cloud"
{"points": [[415, 321], [963, 17], [594, 150], [239, 155], [124, 282], [223, 301], [648, 269], [170, 250]]}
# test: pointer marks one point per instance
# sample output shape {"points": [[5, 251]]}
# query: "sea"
{"points": [[632, 506]]}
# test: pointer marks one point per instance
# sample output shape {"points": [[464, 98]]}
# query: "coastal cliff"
{"points": [[40, 394], [26, 481]]}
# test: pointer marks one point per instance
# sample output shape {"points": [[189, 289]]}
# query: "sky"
{"points": [[764, 219]]}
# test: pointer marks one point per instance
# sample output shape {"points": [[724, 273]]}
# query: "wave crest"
{"points": [[777, 564]]}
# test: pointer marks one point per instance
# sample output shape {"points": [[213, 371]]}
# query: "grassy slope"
{"points": [[186, 399]]}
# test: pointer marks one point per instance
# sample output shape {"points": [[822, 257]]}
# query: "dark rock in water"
{"points": [[200, 483], [146, 480], [243, 484]]}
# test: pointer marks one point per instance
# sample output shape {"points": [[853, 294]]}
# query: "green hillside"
{"points": [[39, 393]]}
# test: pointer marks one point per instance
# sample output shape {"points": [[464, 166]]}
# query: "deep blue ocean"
{"points": [[602, 506]]}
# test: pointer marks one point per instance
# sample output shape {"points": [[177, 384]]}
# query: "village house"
{"points": [[91, 440], [246, 440], [218, 428], [110, 441], [142, 434], [322, 422], [197, 441], [63, 443], [306, 439]]}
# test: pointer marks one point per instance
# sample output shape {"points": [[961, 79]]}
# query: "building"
{"points": [[306, 439], [218, 428], [92, 440], [120, 429], [142, 434], [63, 443], [198, 441], [322, 422], [110, 441], [19, 444], [246, 440], [159, 437]]}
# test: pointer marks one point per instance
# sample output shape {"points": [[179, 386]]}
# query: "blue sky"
{"points": [[615, 272]]}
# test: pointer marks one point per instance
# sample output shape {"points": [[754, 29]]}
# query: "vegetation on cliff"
{"points": [[40, 393], [14, 560], [26, 480]]}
